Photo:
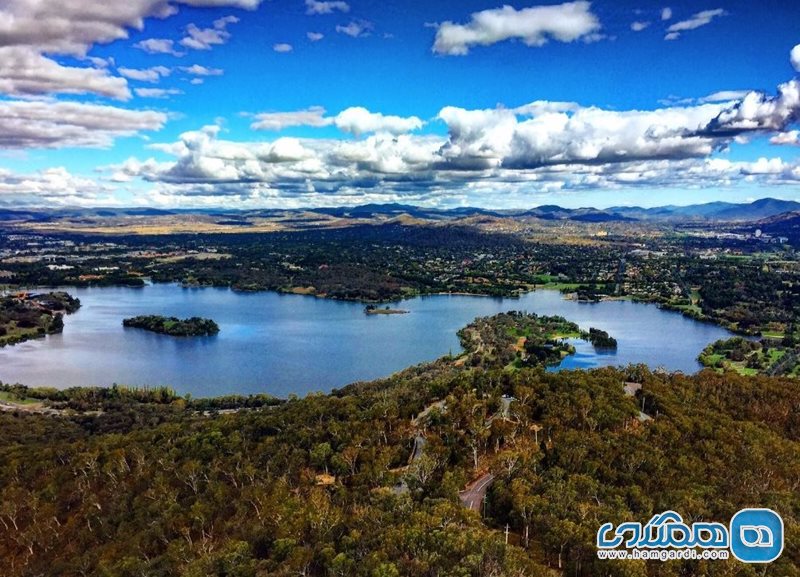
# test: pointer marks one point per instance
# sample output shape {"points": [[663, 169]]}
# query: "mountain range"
{"points": [[764, 208]]}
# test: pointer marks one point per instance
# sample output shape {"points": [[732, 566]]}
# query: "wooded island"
{"points": [[173, 326]]}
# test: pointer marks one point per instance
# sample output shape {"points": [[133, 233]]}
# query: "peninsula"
{"points": [[25, 316]]}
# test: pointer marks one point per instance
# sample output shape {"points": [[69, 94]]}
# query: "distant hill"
{"points": [[786, 224], [723, 211], [553, 212], [764, 208]]}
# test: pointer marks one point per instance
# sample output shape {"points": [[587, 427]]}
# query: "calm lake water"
{"points": [[282, 344]]}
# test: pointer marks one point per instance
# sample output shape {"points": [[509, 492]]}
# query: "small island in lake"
{"points": [[172, 326], [374, 310]]}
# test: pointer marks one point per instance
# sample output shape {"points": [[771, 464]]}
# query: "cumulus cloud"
{"points": [[758, 112], [315, 36], [314, 116], [794, 57], [533, 149], [356, 28], [156, 92], [282, 48], [197, 70], [205, 38], [358, 120], [543, 133], [73, 27], [666, 13], [202, 157], [314, 7], [153, 74], [482, 139], [52, 124], [534, 26], [24, 72], [495, 138], [33, 33], [53, 186], [639, 26], [158, 46], [696, 21], [792, 137], [208, 170], [354, 120]]}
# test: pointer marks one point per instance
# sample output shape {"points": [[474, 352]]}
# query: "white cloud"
{"points": [[314, 116], [158, 46], [197, 70], [52, 124], [315, 36], [724, 96], [210, 171], [53, 186], [314, 7], [153, 74], [534, 26], [759, 112], [25, 72], [383, 154], [354, 120], [534, 149], [156, 92], [99, 62], [358, 120], [282, 48], [482, 139], [73, 27], [356, 28], [696, 21], [639, 26], [794, 57], [205, 38], [765, 166], [666, 13], [792, 137], [37, 32]]}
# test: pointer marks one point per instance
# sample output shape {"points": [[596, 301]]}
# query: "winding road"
{"points": [[472, 497]]}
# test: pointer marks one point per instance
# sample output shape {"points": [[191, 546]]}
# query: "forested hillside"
{"points": [[127, 486]]}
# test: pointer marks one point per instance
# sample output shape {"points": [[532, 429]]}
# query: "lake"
{"points": [[283, 344]]}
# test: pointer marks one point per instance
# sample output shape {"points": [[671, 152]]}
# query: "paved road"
{"points": [[472, 497], [419, 447]]}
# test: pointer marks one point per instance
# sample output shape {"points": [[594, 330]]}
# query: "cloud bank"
{"points": [[535, 149]]}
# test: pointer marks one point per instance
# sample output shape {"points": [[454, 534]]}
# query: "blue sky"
{"points": [[293, 103]]}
